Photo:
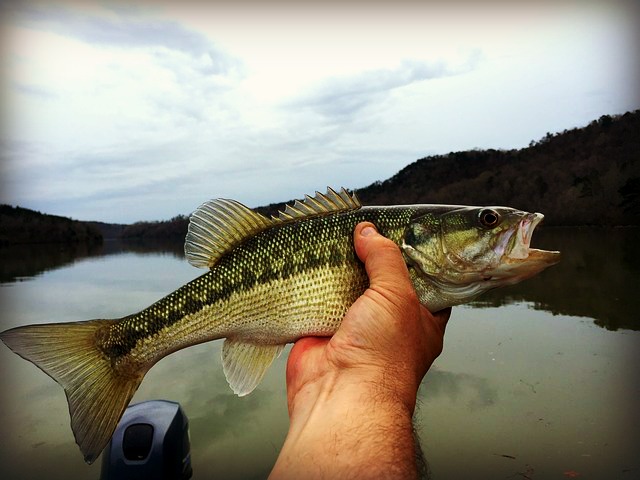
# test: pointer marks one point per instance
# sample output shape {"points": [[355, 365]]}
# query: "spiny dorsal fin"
{"points": [[217, 227], [320, 204], [220, 225]]}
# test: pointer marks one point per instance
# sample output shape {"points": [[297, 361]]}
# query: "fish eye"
{"points": [[489, 218]]}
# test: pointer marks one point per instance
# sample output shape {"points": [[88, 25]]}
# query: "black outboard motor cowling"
{"points": [[150, 442]]}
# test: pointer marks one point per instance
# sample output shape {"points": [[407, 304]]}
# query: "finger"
{"points": [[382, 259], [300, 352], [304, 363]]}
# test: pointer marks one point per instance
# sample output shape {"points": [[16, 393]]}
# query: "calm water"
{"points": [[537, 381]]}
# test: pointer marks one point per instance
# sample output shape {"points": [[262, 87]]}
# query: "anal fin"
{"points": [[245, 364]]}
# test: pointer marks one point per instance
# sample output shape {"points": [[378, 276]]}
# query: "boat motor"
{"points": [[150, 442]]}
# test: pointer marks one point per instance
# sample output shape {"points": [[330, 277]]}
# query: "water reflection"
{"points": [[476, 392], [18, 262], [517, 390], [21, 262], [598, 277], [231, 437], [520, 390]]}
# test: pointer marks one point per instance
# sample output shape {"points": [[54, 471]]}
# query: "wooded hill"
{"points": [[583, 176], [21, 225]]}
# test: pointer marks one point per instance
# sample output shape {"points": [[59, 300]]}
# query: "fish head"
{"points": [[464, 251]]}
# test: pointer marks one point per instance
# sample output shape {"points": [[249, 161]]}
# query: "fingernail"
{"points": [[368, 231]]}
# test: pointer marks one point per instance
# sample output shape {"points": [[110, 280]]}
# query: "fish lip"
{"points": [[548, 257], [522, 251], [523, 234]]}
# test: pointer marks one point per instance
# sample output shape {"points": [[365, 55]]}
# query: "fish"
{"points": [[269, 282]]}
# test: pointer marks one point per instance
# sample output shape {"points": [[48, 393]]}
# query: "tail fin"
{"points": [[96, 394]]}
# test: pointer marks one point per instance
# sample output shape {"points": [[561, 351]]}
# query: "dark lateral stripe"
{"points": [[277, 253]]}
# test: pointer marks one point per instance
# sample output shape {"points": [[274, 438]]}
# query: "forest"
{"points": [[582, 176], [176, 229], [21, 225]]}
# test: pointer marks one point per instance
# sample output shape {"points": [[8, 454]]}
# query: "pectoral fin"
{"points": [[245, 364]]}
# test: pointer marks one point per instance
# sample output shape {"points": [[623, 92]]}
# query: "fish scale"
{"points": [[280, 253], [271, 281]]}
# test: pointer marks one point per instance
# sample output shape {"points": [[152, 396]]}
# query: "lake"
{"points": [[537, 381]]}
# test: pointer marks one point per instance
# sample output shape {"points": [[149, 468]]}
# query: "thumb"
{"points": [[382, 259]]}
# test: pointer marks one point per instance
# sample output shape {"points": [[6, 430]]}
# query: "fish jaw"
{"points": [[518, 261], [524, 232]]}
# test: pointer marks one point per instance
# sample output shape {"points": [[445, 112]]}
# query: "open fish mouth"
{"points": [[517, 260], [522, 251], [523, 234]]}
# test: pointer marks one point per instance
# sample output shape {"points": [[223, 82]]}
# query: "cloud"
{"points": [[123, 94], [122, 28], [120, 112], [477, 392], [127, 28], [34, 90], [347, 96]]}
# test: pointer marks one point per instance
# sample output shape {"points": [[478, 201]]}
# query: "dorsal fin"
{"points": [[320, 204], [220, 225], [217, 227]]}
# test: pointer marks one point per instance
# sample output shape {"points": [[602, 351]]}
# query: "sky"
{"points": [[127, 111]]}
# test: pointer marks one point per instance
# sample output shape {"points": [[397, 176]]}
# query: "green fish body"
{"points": [[271, 281]]}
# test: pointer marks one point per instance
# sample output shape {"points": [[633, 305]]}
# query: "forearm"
{"points": [[349, 430], [351, 398]]}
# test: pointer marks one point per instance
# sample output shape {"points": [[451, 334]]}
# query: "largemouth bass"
{"points": [[271, 281]]}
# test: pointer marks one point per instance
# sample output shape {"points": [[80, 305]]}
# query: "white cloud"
{"points": [[348, 95], [97, 24], [123, 113]]}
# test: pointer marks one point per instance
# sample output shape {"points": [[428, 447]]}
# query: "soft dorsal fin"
{"points": [[320, 204], [220, 225], [217, 227]]}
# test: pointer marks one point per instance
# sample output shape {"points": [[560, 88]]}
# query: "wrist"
{"points": [[357, 389], [340, 394], [355, 422]]}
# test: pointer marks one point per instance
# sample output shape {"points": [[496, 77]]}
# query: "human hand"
{"points": [[367, 375]]}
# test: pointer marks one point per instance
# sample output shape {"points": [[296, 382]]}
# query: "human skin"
{"points": [[351, 397]]}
